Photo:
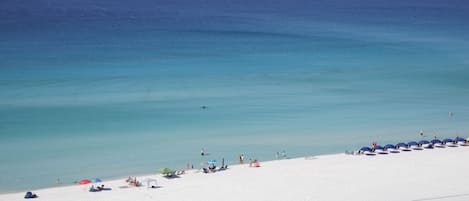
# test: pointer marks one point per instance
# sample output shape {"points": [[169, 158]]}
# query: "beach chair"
{"points": [[205, 170], [223, 168], [92, 189]]}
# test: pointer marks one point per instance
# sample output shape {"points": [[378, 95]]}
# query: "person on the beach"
{"points": [[277, 155], [250, 162], [256, 163], [241, 159]]}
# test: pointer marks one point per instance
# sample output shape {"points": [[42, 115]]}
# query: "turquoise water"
{"points": [[108, 89]]}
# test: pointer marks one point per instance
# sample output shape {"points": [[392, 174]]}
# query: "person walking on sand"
{"points": [[250, 162]]}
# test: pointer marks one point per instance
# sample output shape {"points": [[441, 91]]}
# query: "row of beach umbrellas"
{"points": [[414, 143]]}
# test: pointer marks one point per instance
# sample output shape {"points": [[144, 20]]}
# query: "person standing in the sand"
{"points": [[241, 159]]}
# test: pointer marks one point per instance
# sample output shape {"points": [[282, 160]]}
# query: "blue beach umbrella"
{"points": [[401, 144], [365, 149], [377, 147], [96, 180], [212, 161], [436, 141], [424, 142], [447, 140], [412, 143], [389, 146], [459, 139]]}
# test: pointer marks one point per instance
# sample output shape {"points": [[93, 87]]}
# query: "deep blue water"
{"points": [[115, 88]]}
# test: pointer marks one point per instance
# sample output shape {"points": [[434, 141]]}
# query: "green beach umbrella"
{"points": [[167, 171]]}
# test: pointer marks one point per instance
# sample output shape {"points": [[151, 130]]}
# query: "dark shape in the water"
{"points": [[203, 107]]}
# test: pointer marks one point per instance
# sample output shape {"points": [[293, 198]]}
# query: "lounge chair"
{"points": [[429, 146], [170, 175], [205, 170], [94, 190]]}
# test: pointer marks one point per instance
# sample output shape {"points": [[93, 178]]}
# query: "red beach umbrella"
{"points": [[84, 181]]}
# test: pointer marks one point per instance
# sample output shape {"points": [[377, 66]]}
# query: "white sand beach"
{"points": [[438, 174]]}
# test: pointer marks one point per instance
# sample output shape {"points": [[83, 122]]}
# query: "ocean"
{"points": [[114, 88]]}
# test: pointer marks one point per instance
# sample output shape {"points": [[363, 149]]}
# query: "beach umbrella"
{"points": [[84, 181], [447, 140], [365, 149], [167, 171], [401, 144], [389, 146], [436, 141], [424, 142], [211, 162], [96, 180], [377, 147], [459, 139], [412, 143]]}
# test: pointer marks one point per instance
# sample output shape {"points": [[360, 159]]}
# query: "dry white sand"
{"points": [[438, 174]]}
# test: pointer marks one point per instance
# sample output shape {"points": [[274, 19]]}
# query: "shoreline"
{"points": [[415, 175], [119, 178], [115, 178]]}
